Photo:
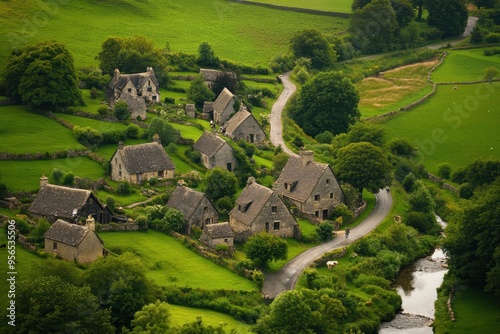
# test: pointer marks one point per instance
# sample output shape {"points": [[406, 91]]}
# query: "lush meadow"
{"points": [[341, 6], [238, 32], [171, 263]]}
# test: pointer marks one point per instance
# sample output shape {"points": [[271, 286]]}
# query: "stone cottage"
{"points": [[243, 125], [138, 163], [190, 110], [209, 75], [311, 186], [55, 202], [224, 106], [208, 111], [215, 234], [258, 209], [215, 152], [195, 206], [73, 242], [136, 89]]}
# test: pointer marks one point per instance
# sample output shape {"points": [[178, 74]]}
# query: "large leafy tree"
{"points": [[167, 133], [449, 16], [50, 305], [403, 8], [329, 101], [198, 92], [264, 247], [311, 44], [473, 240], [42, 75], [220, 183], [363, 165], [206, 56], [374, 28], [152, 319], [226, 79], [120, 285]]}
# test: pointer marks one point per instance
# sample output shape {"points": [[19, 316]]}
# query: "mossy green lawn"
{"points": [[23, 131], [25, 175], [242, 33], [171, 263], [465, 65], [341, 6], [454, 126], [101, 126]]}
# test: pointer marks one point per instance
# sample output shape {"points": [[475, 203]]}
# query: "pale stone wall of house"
{"points": [[90, 248], [249, 131], [330, 195], [204, 214], [223, 157], [212, 242], [65, 252], [118, 171], [225, 115]]}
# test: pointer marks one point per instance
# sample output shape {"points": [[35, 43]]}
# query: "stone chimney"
{"points": [[120, 145], [250, 180], [90, 223], [307, 157], [157, 139], [43, 181], [150, 71]]}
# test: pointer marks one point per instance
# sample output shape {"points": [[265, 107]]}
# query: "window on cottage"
{"points": [[316, 197], [160, 174], [208, 221], [119, 166], [286, 185], [316, 214], [276, 225], [116, 159], [241, 208], [120, 173], [274, 209], [267, 226], [55, 247], [129, 90], [225, 240], [331, 195], [150, 89]]}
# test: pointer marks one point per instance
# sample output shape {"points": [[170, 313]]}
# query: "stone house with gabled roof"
{"points": [[311, 186], [258, 209], [215, 152], [137, 89], [224, 106], [73, 242], [195, 206], [209, 75], [57, 202], [215, 234], [138, 163], [243, 125]]}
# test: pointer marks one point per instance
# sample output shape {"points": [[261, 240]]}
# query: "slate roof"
{"points": [[219, 230], [234, 122], [208, 107], [209, 144], [252, 199], [59, 201], [144, 158], [222, 100], [209, 75], [138, 79], [67, 233], [186, 200], [302, 178]]}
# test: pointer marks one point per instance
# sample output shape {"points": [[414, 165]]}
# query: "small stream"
{"points": [[417, 286]]}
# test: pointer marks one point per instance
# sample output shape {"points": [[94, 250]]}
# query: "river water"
{"points": [[417, 286]]}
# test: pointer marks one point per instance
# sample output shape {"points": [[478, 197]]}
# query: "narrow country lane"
{"points": [[286, 278], [276, 132]]}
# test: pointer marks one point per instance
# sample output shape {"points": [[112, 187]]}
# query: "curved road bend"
{"points": [[276, 122], [286, 278]]}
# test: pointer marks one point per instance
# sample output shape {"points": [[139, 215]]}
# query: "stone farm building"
{"points": [[310, 186], [243, 125], [136, 89], [138, 163], [215, 234], [215, 152], [56, 202], [209, 76], [258, 209], [224, 106], [195, 206], [74, 242]]}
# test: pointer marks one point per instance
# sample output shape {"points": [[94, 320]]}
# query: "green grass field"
{"points": [[476, 312], [91, 105], [182, 314], [25, 174], [342, 6], [171, 263], [187, 131], [23, 131], [454, 126], [93, 123], [242, 33], [465, 65]]}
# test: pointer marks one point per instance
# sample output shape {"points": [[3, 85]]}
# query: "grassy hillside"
{"points": [[242, 33], [454, 126], [342, 6]]}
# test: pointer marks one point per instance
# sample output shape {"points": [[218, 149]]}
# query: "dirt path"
{"points": [[286, 278], [276, 121]]}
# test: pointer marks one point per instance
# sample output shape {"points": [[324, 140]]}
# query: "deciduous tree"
{"points": [[449, 16], [220, 183], [198, 92], [311, 44], [206, 56], [167, 133], [264, 247], [328, 101], [152, 319]]}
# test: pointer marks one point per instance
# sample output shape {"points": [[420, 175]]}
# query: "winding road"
{"points": [[286, 278]]}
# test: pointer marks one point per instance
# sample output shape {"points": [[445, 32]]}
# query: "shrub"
{"points": [[423, 222], [466, 190], [103, 109], [69, 179], [120, 110], [132, 131], [93, 93], [343, 211], [124, 188], [459, 176], [171, 148], [193, 155], [298, 142], [492, 38], [409, 182], [192, 178], [257, 277], [367, 246], [401, 147], [111, 203], [114, 136], [87, 136], [325, 231], [173, 220], [444, 170], [324, 137], [57, 174]]}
